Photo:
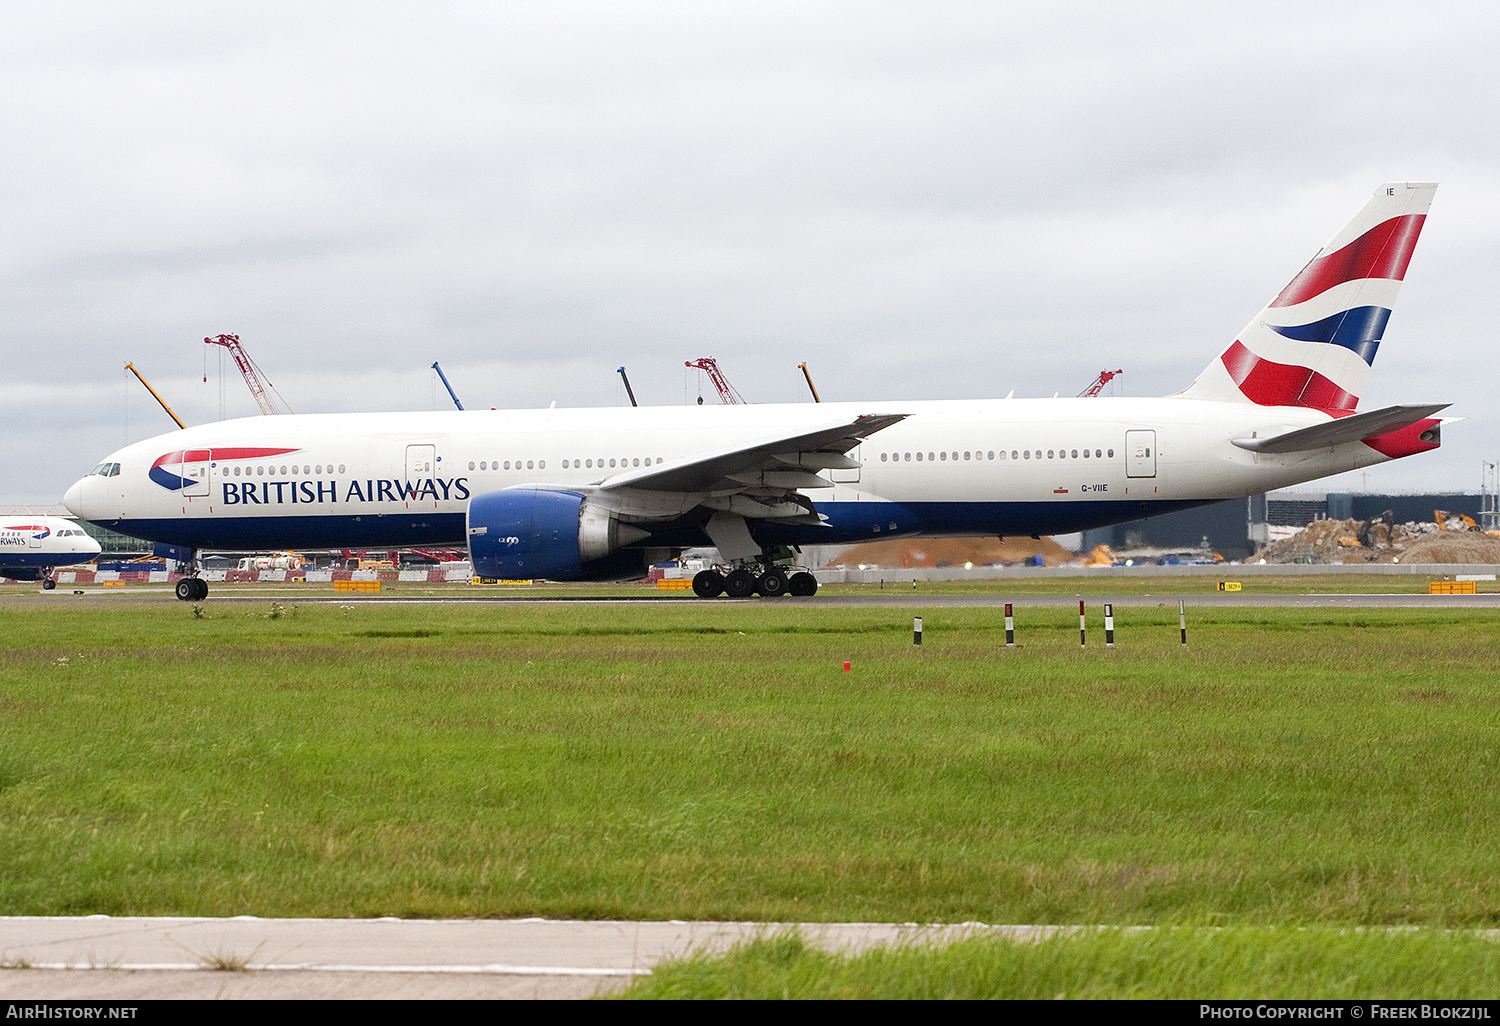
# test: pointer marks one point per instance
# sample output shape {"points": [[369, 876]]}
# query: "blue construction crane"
{"points": [[444, 379]]}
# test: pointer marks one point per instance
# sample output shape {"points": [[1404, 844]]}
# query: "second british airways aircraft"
{"points": [[598, 494], [31, 547]]}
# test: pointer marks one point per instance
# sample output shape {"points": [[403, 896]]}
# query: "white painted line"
{"points": [[320, 967]]}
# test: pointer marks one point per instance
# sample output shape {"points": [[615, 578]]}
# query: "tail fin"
{"points": [[1314, 343]]}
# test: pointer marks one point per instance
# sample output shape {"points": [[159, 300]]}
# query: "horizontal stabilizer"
{"points": [[1345, 429]]}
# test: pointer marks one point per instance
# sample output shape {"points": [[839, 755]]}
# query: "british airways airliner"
{"points": [[31, 547], [599, 494]]}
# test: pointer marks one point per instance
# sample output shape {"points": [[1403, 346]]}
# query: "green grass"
{"points": [[712, 760], [1174, 963]]}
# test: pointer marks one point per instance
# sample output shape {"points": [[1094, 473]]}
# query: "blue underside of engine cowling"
{"points": [[526, 533], [532, 532]]}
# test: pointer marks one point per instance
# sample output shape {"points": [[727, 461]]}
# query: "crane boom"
{"points": [[628, 390], [727, 393], [808, 375], [131, 368], [1104, 378], [452, 394], [250, 371]]}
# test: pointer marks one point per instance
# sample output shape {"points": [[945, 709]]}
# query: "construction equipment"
{"points": [[1442, 516], [444, 378], [808, 375], [131, 368], [252, 373], [1097, 386], [727, 392], [628, 390]]}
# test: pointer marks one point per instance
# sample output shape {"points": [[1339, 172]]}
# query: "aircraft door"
{"points": [[33, 539], [1140, 454], [420, 459], [195, 465], [851, 475]]}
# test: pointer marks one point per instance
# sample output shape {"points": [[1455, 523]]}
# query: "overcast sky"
{"points": [[921, 200]]}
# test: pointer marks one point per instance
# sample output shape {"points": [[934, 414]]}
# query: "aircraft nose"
{"points": [[74, 498]]}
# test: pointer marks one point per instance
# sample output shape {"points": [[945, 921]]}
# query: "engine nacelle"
{"points": [[536, 532]]}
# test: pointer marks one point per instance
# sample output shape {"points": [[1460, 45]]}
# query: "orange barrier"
{"points": [[356, 585]]}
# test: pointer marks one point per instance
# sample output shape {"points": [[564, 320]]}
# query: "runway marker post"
{"points": [[1182, 622], [1010, 628], [916, 630], [1082, 641], [1109, 625]]}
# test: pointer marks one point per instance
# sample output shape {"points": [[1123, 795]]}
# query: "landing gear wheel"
{"points": [[772, 582], [708, 584], [192, 589], [802, 584], [48, 584], [739, 584]]}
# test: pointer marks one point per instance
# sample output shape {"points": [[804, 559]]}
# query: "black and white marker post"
{"points": [[1109, 625], [1081, 639], [916, 630], [1182, 622], [1010, 628]]}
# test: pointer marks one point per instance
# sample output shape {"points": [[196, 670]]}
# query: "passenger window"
{"points": [[1111, 454]]}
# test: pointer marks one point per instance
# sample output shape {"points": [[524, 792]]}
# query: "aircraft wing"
{"points": [[1345, 429], [777, 463]]}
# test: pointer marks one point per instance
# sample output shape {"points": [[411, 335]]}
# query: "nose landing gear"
{"points": [[192, 589]]}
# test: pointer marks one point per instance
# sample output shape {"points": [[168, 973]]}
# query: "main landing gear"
{"points": [[766, 579]]}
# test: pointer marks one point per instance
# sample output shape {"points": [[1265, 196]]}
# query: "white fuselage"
{"points": [[996, 466]]}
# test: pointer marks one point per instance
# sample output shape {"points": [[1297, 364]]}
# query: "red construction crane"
{"points": [[1103, 379], [252, 373], [727, 394]]}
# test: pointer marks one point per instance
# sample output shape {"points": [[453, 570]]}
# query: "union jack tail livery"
{"points": [[1313, 344]]}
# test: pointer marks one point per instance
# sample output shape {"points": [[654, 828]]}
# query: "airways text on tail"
{"points": [[598, 494]]}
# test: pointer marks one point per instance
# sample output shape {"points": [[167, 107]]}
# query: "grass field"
{"points": [[713, 760], [1174, 963]]}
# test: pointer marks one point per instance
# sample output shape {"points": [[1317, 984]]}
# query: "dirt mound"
{"points": [[1376, 541], [910, 552], [1453, 547]]}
